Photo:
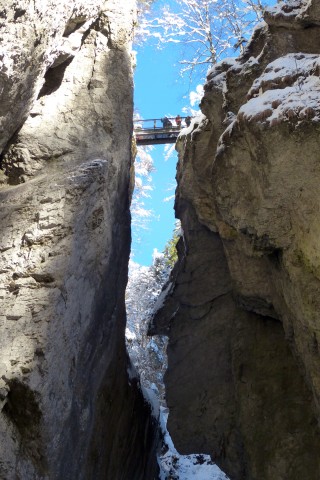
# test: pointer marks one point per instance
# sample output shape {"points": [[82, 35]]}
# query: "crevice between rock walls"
{"points": [[68, 408]]}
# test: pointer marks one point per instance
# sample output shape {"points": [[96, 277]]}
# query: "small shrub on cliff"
{"points": [[170, 251]]}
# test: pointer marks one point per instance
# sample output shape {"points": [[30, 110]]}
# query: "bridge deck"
{"points": [[156, 136], [148, 133]]}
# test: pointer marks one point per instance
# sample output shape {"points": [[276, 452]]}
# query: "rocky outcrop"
{"points": [[69, 409], [242, 308]]}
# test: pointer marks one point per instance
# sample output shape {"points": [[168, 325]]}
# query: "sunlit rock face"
{"points": [[68, 407], [242, 311]]}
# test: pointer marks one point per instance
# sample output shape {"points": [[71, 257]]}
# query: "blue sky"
{"points": [[160, 91]]}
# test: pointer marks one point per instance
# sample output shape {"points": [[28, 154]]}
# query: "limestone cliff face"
{"points": [[242, 309], [68, 408]]}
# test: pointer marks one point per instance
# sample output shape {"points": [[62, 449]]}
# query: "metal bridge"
{"points": [[157, 131]]}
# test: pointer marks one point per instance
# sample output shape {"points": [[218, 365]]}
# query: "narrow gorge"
{"points": [[241, 308]]}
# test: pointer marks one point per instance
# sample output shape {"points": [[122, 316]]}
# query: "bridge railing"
{"points": [[159, 124]]}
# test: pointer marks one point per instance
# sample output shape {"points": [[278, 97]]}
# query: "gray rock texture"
{"points": [[242, 307], [69, 409]]}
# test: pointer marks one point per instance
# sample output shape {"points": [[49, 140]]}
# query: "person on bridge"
{"points": [[188, 121], [178, 121], [166, 122]]}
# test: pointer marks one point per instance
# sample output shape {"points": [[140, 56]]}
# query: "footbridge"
{"points": [[157, 131]]}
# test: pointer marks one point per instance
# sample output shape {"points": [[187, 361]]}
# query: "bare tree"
{"points": [[140, 214], [208, 29]]}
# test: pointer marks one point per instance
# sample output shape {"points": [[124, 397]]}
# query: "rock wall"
{"points": [[68, 406], [242, 308]]}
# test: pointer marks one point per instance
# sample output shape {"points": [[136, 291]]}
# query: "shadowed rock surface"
{"points": [[68, 407], [242, 307]]}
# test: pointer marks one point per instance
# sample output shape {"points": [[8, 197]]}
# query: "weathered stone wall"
{"points": [[242, 310], [68, 407]]}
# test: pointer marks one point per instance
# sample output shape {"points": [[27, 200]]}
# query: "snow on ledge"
{"points": [[185, 467], [285, 71], [151, 398], [288, 90], [285, 10]]}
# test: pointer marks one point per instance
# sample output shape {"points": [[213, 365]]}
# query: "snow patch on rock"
{"points": [[174, 466], [288, 90]]}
